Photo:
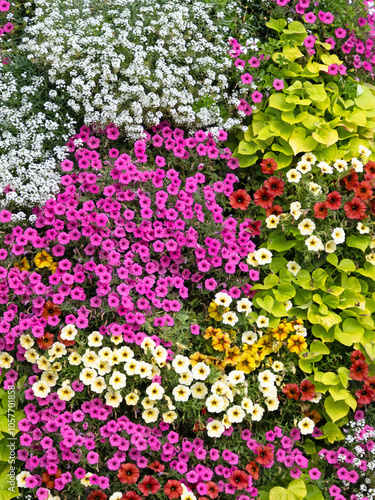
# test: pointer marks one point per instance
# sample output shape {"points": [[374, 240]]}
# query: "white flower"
{"points": [[150, 415], [181, 393], [223, 299], [252, 260], [148, 343], [98, 385], [315, 188], [69, 332], [364, 151], [257, 413], [236, 377], [244, 305], [293, 267], [230, 318], [340, 165], [263, 256], [270, 391], [113, 398], [272, 221], [306, 426], [357, 165], [314, 244], [293, 175], [306, 227], [199, 390], [200, 371], [362, 228], [215, 403], [215, 428], [155, 391], [181, 363], [303, 166], [295, 210], [277, 366], [262, 322], [95, 339], [272, 404], [325, 168], [318, 397], [309, 157], [247, 405], [235, 414], [330, 246], [288, 304], [249, 338], [338, 235], [266, 378]]}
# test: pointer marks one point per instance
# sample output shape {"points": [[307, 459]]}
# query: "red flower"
{"points": [[355, 208], [320, 210], [333, 200], [275, 209], [268, 166], [212, 489], [365, 395], [350, 180], [370, 382], [239, 479], [97, 495], [265, 454], [359, 370], [173, 489], [149, 485], [50, 309], [131, 495], [253, 227], [275, 185], [240, 199], [46, 341], [356, 355], [253, 470], [291, 391], [157, 466], [263, 197], [128, 473], [307, 390], [370, 168], [363, 190]]}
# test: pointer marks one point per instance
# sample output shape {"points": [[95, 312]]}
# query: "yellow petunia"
{"points": [[23, 265], [43, 259], [196, 358], [214, 311], [297, 343], [247, 363], [232, 356], [221, 342]]}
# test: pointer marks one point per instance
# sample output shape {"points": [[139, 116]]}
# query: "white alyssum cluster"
{"points": [[32, 138], [135, 65]]}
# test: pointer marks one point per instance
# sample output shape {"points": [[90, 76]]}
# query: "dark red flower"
{"points": [[292, 391], [265, 454], [253, 470], [356, 355], [355, 208], [263, 197], [131, 495], [333, 200], [97, 495], [268, 166], [213, 489], [370, 168], [365, 395], [275, 185], [46, 341], [320, 210], [350, 180], [274, 210], [253, 227], [239, 479], [173, 489], [50, 309], [363, 190], [307, 390], [156, 466], [149, 486], [240, 199], [128, 473], [359, 370]]}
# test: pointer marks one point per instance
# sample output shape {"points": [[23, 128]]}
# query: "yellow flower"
{"points": [[297, 343], [214, 313], [43, 259], [53, 267], [23, 265], [280, 333], [232, 356], [221, 342], [210, 331], [197, 357], [247, 363]]}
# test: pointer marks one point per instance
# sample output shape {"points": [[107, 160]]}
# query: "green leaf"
{"points": [[284, 292], [276, 24], [326, 136], [313, 492], [296, 27], [360, 241], [266, 303], [366, 100], [346, 265], [300, 143], [319, 347], [269, 282], [370, 350], [278, 493], [336, 409], [330, 378], [280, 244], [353, 328], [278, 101], [332, 432], [297, 488], [327, 321]]}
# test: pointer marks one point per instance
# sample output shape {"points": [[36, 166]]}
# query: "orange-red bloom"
{"points": [[156, 466], [49, 479], [370, 168], [50, 309], [275, 185], [173, 489], [46, 341], [356, 355], [363, 190], [212, 489], [268, 166], [239, 479], [263, 197], [149, 486], [355, 208], [274, 210], [131, 495], [320, 210], [333, 200], [128, 473], [97, 495], [350, 180], [359, 370], [307, 390], [265, 454], [240, 199], [365, 395], [292, 391], [253, 469]]}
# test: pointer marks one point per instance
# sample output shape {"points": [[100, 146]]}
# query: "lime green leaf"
{"points": [[370, 350], [360, 241], [353, 328], [276, 24], [346, 265], [284, 292], [280, 244], [297, 488], [247, 148], [319, 347], [295, 27], [330, 378], [313, 492], [326, 136], [330, 59], [336, 409], [278, 493], [278, 101], [366, 100], [332, 432], [291, 53], [326, 321], [299, 142], [339, 394], [265, 303]]}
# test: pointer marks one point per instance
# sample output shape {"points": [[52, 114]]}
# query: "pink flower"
{"points": [[310, 18], [256, 97], [246, 78], [309, 41], [5, 216], [340, 33], [4, 6], [326, 17], [314, 473], [333, 69], [254, 62], [278, 84]]}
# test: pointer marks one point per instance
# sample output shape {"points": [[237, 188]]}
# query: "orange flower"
{"points": [[240, 199], [221, 342], [253, 469], [49, 479], [50, 309], [128, 473], [97, 495], [46, 341], [297, 343], [232, 356]]}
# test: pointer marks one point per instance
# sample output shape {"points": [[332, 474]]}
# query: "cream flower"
{"points": [[362, 228], [215, 429], [169, 416], [230, 318], [87, 375], [257, 413], [215, 403], [98, 385], [306, 425], [155, 391], [272, 404], [272, 221], [306, 227], [364, 151], [315, 188], [263, 256], [314, 244], [249, 338], [247, 405], [113, 398], [293, 175], [131, 399], [26, 341], [117, 380], [41, 389], [186, 378], [252, 260], [277, 366], [236, 377], [65, 393], [223, 299], [357, 165], [200, 371], [338, 235], [199, 390], [340, 165], [69, 332], [293, 267], [310, 157], [150, 415], [330, 246], [95, 339], [181, 363], [244, 305], [325, 168], [266, 378], [303, 166], [181, 393], [74, 359], [236, 414], [262, 322]]}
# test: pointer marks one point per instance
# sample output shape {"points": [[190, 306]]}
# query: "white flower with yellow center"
{"points": [[150, 415], [252, 260], [155, 391], [262, 321], [132, 398], [230, 318], [362, 228], [364, 151], [69, 332], [160, 354], [103, 367], [125, 353], [236, 377], [325, 168], [371, 258], [288, 304], [272, 404], [199, 390], [263, 256], [41, 389], [317, 398], [269, 392], [306, 227], [180, 363], [303, 166], [357, 165], [147, 402], [31, 355], [301, 330], [56, 366], [247, 405], [105, 353], [90, 359], [257, 413], [186, 378], [171, 407], [215, 429], [293, 267], [115, 358], [87, 375], [272, 221], [74, 359], [215, 404], [144, 370], [113, 398], [249, 338], [236, 414], [244, 306], [86, 481], [315, 188], [21, 477], [26, 341], [200, 371], [340, 165], [219, 388], [50, 378], [314, 244], [117, 380], [293, 175], [181, 393], [295, 210], [131, 367], [266, 378], [43, 363], [169, 416], [148, 343], [278, 379], [223, 299], [58, 350], [98, 385], [188, 495], [95, 339], [330, 246], [115, 496], [66, 393], [310, 157], [306, 425], [117, 339], [277, 366]]}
